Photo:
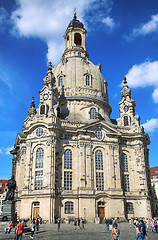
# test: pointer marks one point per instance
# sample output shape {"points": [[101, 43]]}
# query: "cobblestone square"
{"points": [[67, 232]]}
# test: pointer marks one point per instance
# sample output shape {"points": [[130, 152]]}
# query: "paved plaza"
{"points": [[92, 231]]}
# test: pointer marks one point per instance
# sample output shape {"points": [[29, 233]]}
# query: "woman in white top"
{"points": [[115, 233]]}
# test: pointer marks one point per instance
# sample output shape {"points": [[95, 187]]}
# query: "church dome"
{"points": [[77, 78]]}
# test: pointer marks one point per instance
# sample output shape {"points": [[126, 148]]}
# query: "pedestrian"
{"points": [[82, 221], [8, 229], [58, 222], [32, 228], [79, 221], [130, 222], [110, 224], [115, 232], [107, 224], [138, 232], [37, 224], [75, 224], [156, 223], [20, 228], [152, 224], [143, 229]]}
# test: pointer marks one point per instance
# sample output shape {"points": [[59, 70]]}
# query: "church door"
{"points": [[35, 212], [101, 212]]}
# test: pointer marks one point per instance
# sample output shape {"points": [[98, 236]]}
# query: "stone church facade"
{"points": [[71, 160]]}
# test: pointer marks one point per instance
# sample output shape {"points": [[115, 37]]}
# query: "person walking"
{"points": [[79, 223], [152, 224], [58, 222], [115, 232], [32, 227], [75, 224], [82, 221], [143, 229], [37, 224], [130, 223], [107, 224], [138, 232], [20, 228]]}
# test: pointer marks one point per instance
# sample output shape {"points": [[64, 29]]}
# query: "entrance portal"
{"points": [[101, 212], [35, 209]]}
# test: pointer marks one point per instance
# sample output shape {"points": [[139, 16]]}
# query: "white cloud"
{"points": [[8, 149], [1, 152], [151, 125], [49, 19], [155, 95], [143, 75], [149, 27], [109, 22]]}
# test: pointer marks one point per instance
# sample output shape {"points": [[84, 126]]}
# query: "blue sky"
{"points": [[122, 36]]}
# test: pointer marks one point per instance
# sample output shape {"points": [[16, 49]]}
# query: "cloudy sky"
{"points": [[122, 36]]}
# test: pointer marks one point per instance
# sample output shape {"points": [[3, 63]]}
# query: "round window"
{"points": [[99, 134], [39, 132]]}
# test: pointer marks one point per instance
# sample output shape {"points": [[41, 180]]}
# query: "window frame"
{"points": [[69, 207], [39, 158], [39, 182], [68, 159], [67, 180]]}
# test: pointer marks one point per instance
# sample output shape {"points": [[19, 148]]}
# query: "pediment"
{"points": [[107, 127]]}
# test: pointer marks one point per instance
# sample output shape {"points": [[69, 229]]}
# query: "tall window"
{"points": [[68, 159], [92, 113], [100, 181], [126, 186], [99, 160], [124, 162], [67, 180], [126, 123], [88, 80], [60, 83], [39, 157], [38, 180], [69, 207], [129, 207], [42, 109]]}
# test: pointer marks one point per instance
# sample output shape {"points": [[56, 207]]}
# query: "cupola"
{"points": [[75, 36]]}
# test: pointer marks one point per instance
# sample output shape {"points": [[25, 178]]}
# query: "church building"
{"points": [[71, 159]]}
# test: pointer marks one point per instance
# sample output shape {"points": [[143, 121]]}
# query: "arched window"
{"points": [[124, 162], [39, 157], [126, 123], [60, 83], [42, 109], [88, 80], [92, 113], [77, 39], [69, 207], [99, 160], [68, 159]]}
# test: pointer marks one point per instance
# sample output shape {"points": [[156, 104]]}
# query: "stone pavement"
{"points": [[92, 231]]}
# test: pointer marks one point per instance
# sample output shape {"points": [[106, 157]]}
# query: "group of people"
{"points": [[78, 222], [142, 225], [19, 228], [111, 225]]}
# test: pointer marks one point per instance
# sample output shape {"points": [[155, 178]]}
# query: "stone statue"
{"points": [[11, 187]]}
